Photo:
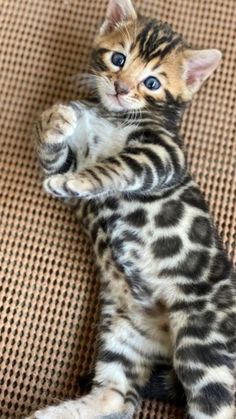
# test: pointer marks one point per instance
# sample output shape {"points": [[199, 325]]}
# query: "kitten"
{"points": [[167, 288]]}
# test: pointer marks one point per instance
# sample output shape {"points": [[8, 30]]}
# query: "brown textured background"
{"points": [[48, 287]]}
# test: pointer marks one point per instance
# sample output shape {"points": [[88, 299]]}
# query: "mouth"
{"points": [[118, 103], [115, 102]]}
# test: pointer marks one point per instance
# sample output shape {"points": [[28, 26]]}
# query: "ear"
{"points": [[198, 66], [118, 11]]}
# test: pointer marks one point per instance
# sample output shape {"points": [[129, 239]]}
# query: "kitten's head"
{"points": [[141, 61]]}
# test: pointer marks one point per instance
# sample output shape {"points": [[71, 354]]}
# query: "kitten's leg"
{"points": [[123, 367], [204, 365], [53, 132], [134, 169]]}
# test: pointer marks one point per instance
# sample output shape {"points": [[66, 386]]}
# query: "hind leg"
{"points": [[204, 365], [123, 367]]}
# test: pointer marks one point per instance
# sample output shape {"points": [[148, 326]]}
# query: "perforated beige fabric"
{"points": [[49, 287]]}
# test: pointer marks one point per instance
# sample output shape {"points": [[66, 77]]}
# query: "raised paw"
{"points": [[56, 124], [69, 185]]}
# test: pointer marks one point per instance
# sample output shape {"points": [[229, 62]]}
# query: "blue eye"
{"points": [[118, 59], [152, 83]]}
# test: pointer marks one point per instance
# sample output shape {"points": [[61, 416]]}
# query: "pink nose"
{"points": [[121, 88]]}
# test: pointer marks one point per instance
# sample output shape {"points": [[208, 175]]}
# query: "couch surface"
{"points": [[49, 286]]}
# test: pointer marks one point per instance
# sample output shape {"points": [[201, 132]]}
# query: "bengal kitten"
{"points": [[167, 288]]}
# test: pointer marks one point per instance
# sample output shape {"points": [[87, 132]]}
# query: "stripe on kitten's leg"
{"points": [[163, 385], [205, 366], [120, 371]]}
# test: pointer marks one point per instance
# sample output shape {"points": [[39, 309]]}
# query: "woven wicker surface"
{"points": [[49, 289]]}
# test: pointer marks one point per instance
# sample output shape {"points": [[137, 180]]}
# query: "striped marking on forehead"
{"points": [[157, 40]]}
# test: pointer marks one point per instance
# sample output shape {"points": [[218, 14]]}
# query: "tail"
{"points": [[165, 386]]}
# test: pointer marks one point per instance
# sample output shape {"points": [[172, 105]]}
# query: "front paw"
{"points": [[69, 186], [56, 124]]}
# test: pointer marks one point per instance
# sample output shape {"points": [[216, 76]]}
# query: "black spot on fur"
{"points": [[166, 246], [231, 344], [111, 221], [224, 297], [189, 306], [192, 267], [212, 397], [201, 231], [206, 318], [220, 268], [102, 221], [199, 288], [111, 203], [137, 218], [164, 385], [211, 355], [96, 139], [227, 325], [102, 246], [193, 330], [189, 376], [170, 214], [194, 264], [193, 197]]}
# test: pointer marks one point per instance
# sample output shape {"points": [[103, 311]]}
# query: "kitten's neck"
{"points": [[167, 114]]}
